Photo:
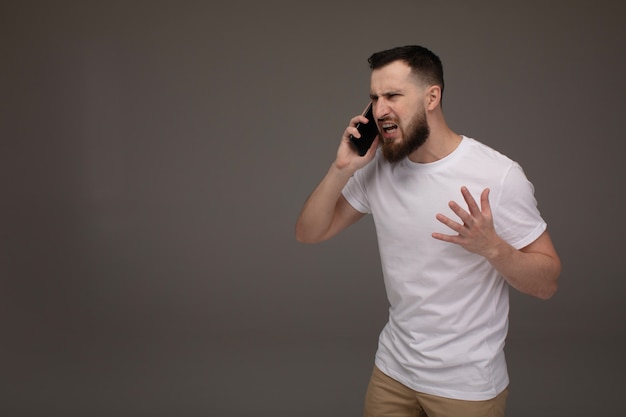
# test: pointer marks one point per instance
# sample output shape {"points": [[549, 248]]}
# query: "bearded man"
{"points": [[447, 265]]}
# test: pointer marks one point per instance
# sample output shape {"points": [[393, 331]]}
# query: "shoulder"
{"points": [[481, 150], [482, 157]]}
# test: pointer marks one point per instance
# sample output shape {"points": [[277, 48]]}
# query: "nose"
{"points": [[381, 109]]}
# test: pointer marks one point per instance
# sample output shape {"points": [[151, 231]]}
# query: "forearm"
{"points": [[316, 218], [530, 272]]}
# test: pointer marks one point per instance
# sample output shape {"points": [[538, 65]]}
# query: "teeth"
{"points": [[388, 126]]}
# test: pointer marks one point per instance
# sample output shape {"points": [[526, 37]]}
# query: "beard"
{"points": [[417, 133]]}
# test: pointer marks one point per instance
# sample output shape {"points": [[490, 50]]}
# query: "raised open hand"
{"points": [[475, 232]]}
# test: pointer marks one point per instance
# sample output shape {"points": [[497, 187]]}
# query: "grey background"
{"points": [[155, 156]]}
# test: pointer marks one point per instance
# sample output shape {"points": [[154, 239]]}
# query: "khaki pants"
{"points": [[387, 397]]}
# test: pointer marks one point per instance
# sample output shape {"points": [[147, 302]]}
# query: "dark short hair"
{"points": [[424, 63]]}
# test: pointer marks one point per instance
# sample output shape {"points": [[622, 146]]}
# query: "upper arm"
{"points": [[543, 244], [345, 215]]}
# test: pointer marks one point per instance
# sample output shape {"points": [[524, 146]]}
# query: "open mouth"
{"points": [[389, 128]]}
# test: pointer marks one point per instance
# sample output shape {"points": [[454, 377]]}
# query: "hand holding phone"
{"points": [[368, 132]]}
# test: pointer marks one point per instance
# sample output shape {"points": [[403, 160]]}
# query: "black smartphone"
{"points": [[368, 132]]}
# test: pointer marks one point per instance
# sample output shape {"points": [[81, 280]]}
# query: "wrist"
{"points": [[343, 171], [499, 250]]}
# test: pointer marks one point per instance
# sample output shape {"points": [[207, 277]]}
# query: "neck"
{"points": [[441, 142]]}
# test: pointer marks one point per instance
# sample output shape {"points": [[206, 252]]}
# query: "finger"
{"points": [[352, 131], [358, 119], [446, 238], [484, 203], [352, 128], [459, 211], [471, 203], [457, 227]]}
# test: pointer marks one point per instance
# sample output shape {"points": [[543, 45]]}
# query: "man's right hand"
{"points": [[347, 156]]}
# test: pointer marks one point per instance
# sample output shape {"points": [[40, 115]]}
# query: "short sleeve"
{"points": [[516, 216], [355, 191]]}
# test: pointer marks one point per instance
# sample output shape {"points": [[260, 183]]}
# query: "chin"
{"points": [[391, 140]]}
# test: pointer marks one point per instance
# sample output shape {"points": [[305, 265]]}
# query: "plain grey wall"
{"points": [[155, 156]]}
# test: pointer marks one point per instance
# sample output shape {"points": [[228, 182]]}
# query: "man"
{"points": [[456, 222]]}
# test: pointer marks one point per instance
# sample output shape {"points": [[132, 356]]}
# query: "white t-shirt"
{"points": [[448, 315]]}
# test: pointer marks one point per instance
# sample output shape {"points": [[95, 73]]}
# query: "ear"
{"points": [[433, 97]]}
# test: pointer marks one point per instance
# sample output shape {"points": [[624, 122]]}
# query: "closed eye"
{"points": [[388, 96]]}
